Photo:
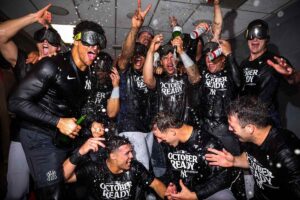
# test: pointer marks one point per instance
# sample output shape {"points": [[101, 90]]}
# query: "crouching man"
{"points": [[117, 177]]}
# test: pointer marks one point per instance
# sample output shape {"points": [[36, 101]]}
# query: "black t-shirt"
{"points": [[96, 105], [260, 79], [135, 101], [275, 165], [173, 95], [217, 90], [187, 162], [102, 184]]}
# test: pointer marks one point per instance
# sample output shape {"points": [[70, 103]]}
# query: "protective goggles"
{"points": [[51, 36], [91, 38], [258, 32]]}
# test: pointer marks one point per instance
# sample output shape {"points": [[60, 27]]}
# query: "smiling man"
{"points": [[186, 165], [272, 154], [48, 100], [260, 79], [117, 177]]}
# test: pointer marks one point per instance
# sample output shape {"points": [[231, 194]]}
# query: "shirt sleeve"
{"points": [[24, 101], [144, 176], [85, 171]]}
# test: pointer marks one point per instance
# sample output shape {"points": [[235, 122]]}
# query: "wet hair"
{"points": [[104, 63], [147, 29], [165, 120], [165, 50], [250, 110], [88, 26], [114, 142]]}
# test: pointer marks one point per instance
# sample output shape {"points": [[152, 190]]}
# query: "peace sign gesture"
{"points": [[139, 15]]}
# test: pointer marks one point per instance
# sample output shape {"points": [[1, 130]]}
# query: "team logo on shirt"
{"points": [[183, 161], [99, 97], [215, 83], [261, 174], [173, 87], [140, 83], [116, 190], [88, 84], [51, 175], [249, 75]]}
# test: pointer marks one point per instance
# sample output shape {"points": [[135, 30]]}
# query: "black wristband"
{"points": [[76, 157]]}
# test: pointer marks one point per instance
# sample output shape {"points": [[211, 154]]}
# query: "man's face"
{"points": [[257, 46], [168, 63], [168, 136], [145, 38], [124, 156], [45, 48], [241, 132], [87, 54], [138, 62], [102, 76], [215, 65]]}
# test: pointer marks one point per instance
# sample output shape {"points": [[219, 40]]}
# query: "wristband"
{"points": [[115, 94], [186, 60], [76, 157]]}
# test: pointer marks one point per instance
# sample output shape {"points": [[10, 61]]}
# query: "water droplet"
{"points": [[280, 14], [256, 3], [278, 165], [297, 151]]}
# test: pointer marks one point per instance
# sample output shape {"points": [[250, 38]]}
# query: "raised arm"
{"points": [[129, 43], [10, 28], [190, 66], [113, 104], [218, 21], [233, 66], [282, 66], [69, 165], [148, 75]]}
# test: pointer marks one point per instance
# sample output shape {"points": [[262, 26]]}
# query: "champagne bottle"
{"points": [[177, 31], [64, 141]]}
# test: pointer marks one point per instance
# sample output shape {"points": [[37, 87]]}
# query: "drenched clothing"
{"points": [[275, 165], [54, 88], [187, 162], [172, 95], [262, 80], [217, 90], [135, 100], [96, 105], [103, 184]]}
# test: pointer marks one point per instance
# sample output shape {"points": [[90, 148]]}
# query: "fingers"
{"points": [[146, 10], [139, 4], [215, 151], [46, 7]]}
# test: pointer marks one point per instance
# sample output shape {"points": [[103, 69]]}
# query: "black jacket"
{"points": [[53, 89]]}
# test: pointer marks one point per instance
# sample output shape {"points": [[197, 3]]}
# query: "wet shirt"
{"points": [[187, 162], [96, 105], [217, 90], [260, 79], [275, 166], [135, 103], [104, 185], [172, 95], [54, 88]]}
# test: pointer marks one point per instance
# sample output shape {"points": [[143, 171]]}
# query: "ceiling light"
{"points": [[65, 32]]}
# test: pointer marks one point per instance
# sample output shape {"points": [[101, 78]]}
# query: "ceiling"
{"points": [[113, 14]]}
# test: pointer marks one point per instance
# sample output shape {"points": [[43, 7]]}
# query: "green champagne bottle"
{"points": [[64, 141], [177, 31]]}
